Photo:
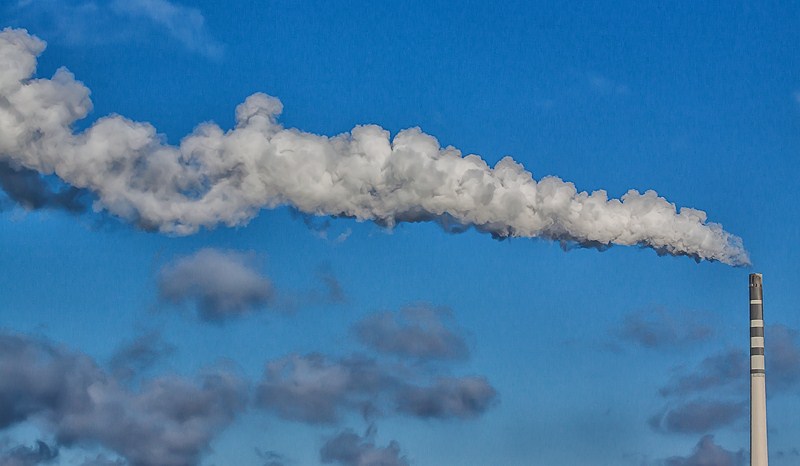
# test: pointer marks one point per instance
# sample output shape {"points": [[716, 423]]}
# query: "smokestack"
{"points": [[758, 390]]}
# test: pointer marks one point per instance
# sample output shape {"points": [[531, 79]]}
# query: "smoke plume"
{"points": [[225, 177]]}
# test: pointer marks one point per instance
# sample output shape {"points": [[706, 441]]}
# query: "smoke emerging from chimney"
{"points": [[225, 177]]}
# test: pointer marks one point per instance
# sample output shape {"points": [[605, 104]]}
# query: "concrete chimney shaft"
{"points": [[758, 390]]}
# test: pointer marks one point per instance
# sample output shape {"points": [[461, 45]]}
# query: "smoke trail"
{"points": [[217, 177]]}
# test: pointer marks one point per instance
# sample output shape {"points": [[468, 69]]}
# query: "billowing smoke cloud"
{"points": [[216, 177], [168, 421], [420, 331], [350, 449], [708, 453], [222, 284]]}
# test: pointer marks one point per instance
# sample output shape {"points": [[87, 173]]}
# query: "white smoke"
{"points": [[226, 177]]}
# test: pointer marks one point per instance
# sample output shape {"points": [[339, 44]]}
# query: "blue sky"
{"points": [[424, 346]]}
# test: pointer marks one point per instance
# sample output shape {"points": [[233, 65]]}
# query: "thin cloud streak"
{"points": [[88, 22]]}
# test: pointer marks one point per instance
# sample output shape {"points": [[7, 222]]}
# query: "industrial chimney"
{"points": [[758, 390]]}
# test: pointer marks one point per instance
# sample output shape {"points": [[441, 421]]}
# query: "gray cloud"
{"points": [[318, 390], [167, 421], [82, 22], [350, 449], [708, 453], [782, 358], [103, 460], [725, 375], [465, 397], [333, 292], [27, 189], [423, 332], [730, 367], [699, 416], [22, 455], [216, 177], [139, 355], [271, 458], [658, 329], [222, 284]]}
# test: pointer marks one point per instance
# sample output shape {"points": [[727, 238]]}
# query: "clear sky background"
{"points": [[577, 357]]}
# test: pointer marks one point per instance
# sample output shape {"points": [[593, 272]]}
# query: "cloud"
{"points": [[657, 329], [89, 22], [724, 375], [185, 24], [465, 398], [221, 284], [714, 372], [216, 177], [271, 458], [103, 460], [167, 421], [350, 449], [139, 355], [333, 291], [27, 189], [422, 331], [605, 86], [708, 453], [729, 369], [318, 389], [22, 455], [699, 416], [782, 358]]}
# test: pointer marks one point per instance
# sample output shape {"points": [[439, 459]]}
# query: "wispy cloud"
{"points": [[708, 453], [88, 22], [712, 395], [136, 356], [421, 331], [185, 24], [661, 329], [698, 416], [319, 389], [24, 455], [350, 449], [606, 86]]}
